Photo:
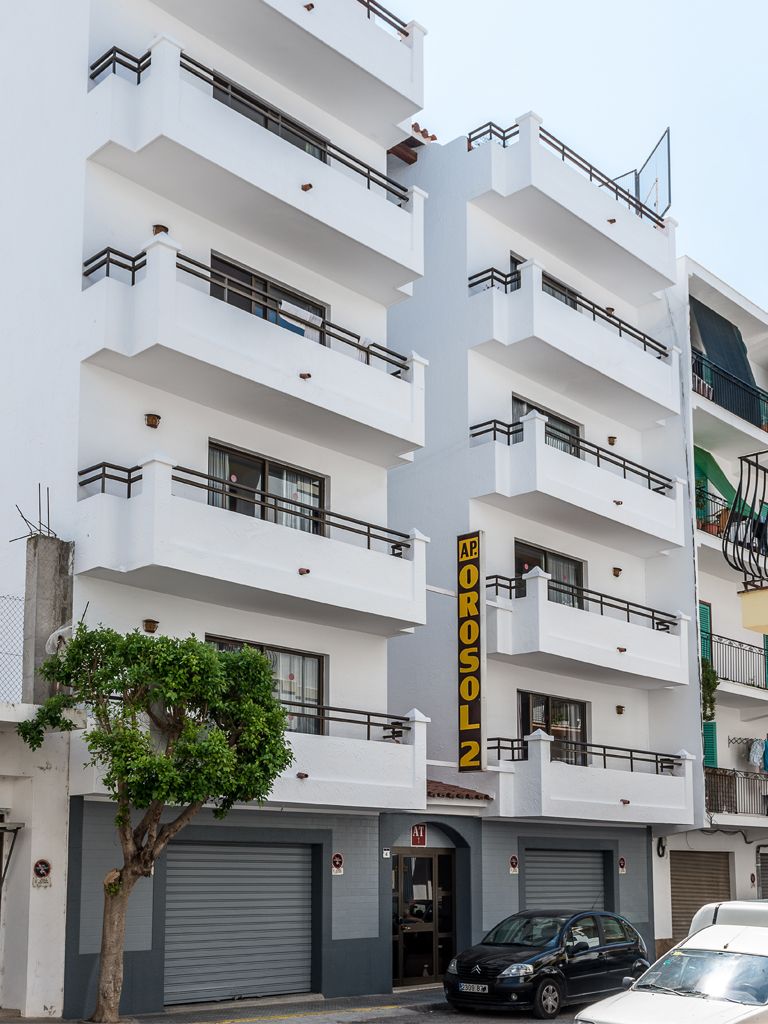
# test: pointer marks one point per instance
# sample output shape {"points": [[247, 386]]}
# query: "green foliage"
{"points": [[709, 682], [171, 721]]}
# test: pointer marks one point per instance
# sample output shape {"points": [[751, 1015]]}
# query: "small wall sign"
{"points": [[386, 853], [337, 864], [514, 865], [41, 874], [622, 865], [418, 835]]}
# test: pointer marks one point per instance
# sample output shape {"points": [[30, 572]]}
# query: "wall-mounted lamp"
{"points": [[305, 376], [306, 187], [625, 802], [610, 310], [159, 229], [616, 501], [622, 650], [611, 220], [302, 775], [149, 625], [661, 846], [619, 709], [303, 572], [617, 571], [152, 419], [309, 7], [611, 440]]}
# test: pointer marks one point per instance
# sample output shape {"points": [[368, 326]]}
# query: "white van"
{"points": [[717, 975]]}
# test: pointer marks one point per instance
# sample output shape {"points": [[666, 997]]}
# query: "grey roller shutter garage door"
{"points": [[696, 877], [237, 921], [564, 879]]}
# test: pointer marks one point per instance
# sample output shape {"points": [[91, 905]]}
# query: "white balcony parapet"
{"points": [[568, 482], [342, 768], [163, 535], [578, 351], [168, 133], [328, 383], [538, 631], [651, 789]]}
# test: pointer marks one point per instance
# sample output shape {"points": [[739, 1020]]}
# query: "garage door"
{"points": [[564, 879], [697, 877], [238, 921]]}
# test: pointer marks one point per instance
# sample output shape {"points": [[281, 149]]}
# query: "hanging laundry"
{"points": [[757, 753]]}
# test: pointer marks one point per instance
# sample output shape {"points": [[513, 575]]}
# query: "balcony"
{"points": [[153, 317], [528, 179], [527, 322], [537, 471], [166, 528], [730, 416], [540, 777], [351, 759], [253, 170], [741, 671], [358, 59], [737, 798], [711, 521], [556, 627]]}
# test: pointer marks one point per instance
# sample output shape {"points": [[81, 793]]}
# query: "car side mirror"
{"points": [[628, 981], [578, 947]]}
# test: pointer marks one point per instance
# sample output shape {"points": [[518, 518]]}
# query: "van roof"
{"points": [[753, 913], [731, 938]]}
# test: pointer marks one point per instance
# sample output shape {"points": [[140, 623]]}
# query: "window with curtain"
{"points": [[253, 486], [560, 717], [567, 433], [569, 572], [298, 679]]}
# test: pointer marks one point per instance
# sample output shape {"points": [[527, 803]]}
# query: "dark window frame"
{"points": [[577, 757], [557, 554], [549, 413]]}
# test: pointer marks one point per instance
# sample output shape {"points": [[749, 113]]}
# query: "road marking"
{"points": [[312, 1013]]}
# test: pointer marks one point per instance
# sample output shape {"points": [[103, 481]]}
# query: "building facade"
{"points": [[216, 405]]}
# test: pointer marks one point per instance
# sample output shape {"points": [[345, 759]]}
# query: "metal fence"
{"points": [[736, 792], [11, 646]]}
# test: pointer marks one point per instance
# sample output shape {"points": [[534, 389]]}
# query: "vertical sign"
{"points": [[471, 651], [418, 835]]}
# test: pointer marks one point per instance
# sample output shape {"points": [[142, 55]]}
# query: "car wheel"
{"points": [[548, 1000]]}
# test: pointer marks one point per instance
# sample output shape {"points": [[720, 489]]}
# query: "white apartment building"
{"points": [[556, 425], [199, 371], [729, 417]]}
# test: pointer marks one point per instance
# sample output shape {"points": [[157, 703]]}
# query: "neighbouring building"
{"points": [[557, 426], [204, 382]]}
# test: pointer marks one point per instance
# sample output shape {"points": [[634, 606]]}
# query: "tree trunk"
{"points": [[117, 890]]}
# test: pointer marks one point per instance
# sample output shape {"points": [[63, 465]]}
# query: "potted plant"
{"points": [[709, 683]]}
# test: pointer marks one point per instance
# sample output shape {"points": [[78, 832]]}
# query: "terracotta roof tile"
{"points": [[446, 790]]}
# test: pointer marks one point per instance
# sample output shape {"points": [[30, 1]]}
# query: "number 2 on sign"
{"points": [[470, 754]]}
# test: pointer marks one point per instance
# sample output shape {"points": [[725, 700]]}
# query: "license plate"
{"points": [[466, 986]]}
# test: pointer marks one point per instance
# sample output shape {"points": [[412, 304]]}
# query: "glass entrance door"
{"points": [[422, 915]]}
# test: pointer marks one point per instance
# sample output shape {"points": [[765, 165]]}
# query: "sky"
{"points": [[607, 78]]}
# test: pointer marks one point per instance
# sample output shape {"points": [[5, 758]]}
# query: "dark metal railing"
{"points": [[271, 507], [512, 433], [735, 661], [744, 400], [377, 10], [711, 512], [285, 127], [577, 301], [587, 600], [745, 539], [109, 259], [729, 791], [593, 755], [493, 278], [115, 58], [393, 727], [491, 132]]}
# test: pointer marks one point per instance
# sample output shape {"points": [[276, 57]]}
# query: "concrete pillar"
{"points": [[47, 607]]}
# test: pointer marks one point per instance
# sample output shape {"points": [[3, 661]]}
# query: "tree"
{"points": [[173, 724]]}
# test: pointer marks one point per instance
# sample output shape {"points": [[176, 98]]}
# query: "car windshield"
{"points": [[710, 974], [522, 930]]}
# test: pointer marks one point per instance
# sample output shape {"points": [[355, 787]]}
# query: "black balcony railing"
{"points": [[263, 304], [592, 755], [258, 112], [711, 512], [744, 400], [512, 433], [315, 718], [378, 11], [491, 132], [735, 661], [493, 278], [587, 600], [729, 791], [274, 508]]}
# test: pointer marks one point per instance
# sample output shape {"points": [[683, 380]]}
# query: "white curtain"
{"points": [[310, 333], [296, 678], [218, 466], [287, 483]]}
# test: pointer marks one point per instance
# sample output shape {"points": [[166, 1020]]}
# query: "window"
{"points": [[254, 486], [250, 106], [567, 573], [298, 680], [559, 291], [584, 930], [613, 931], [562, 434], [259, 295], [565, 720]]}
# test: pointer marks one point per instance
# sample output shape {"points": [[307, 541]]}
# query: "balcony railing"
{"points": [[315, 718], [711, 512], [493, 278], [729, 791], [264, 305], [593, 755], [273, 508], [491, 132], [735, 661], [512, 433], [259, 113], [724, 389], [378, 12], [587, 600]]}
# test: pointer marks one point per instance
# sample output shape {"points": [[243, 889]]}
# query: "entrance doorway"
{"points": [[423, 915]]}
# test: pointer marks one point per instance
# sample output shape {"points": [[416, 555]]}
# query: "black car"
{"points": [[542, 959]]}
